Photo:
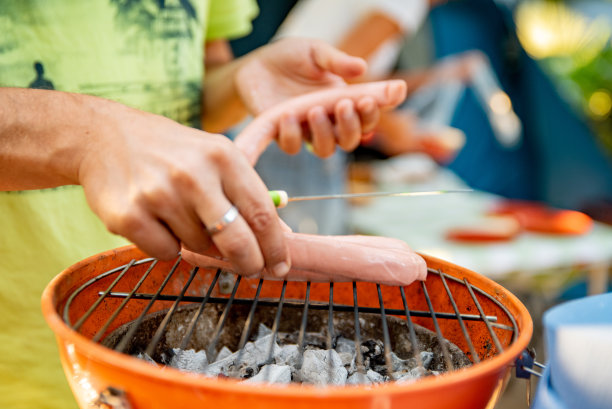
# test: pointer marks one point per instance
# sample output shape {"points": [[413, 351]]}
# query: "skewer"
{"points": [[280, 198]]}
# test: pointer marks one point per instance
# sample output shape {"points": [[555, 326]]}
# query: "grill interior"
{"points": [[136, 307]]}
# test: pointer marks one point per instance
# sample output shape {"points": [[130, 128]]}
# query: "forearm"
{"points": [[222, 105], [369, 34], [43, 136]]}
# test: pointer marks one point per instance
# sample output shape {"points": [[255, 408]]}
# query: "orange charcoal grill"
{"points": [[109, 307]]}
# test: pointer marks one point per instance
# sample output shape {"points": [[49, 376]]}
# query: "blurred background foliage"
{"points": [[571, 39]]}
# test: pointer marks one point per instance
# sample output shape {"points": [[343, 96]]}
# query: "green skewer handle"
{"points": [[279, 198]]}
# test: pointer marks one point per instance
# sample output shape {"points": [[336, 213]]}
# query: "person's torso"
{"points": [[146, 54]]}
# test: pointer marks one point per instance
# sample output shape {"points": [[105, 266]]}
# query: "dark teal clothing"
{"points": [[559, 160]]}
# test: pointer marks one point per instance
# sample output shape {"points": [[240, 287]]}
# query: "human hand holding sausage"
{"points": [[270, 79]]}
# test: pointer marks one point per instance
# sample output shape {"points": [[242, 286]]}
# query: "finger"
{"points": [[236, 242], [329, 58], [254, 139], [150, 235], [290, 134], [322, 130], [211, 251], [243, 187], [186, 226], [369, 114], [348, 125], [170, 208], [284, 226], [212, 258]]}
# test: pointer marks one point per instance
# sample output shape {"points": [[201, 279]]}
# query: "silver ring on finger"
{"points": [[222, 223]]}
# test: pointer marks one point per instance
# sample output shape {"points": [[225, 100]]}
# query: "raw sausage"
{"points": [[339, 258], [254, 139]]}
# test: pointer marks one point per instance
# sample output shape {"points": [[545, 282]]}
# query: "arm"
{"points": [[148, 178], [222, 106], [268, 78], [38, 148], [369, 34]]}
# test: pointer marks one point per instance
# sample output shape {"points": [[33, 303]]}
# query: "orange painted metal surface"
{"points": [[91, 368], [539, 218]]}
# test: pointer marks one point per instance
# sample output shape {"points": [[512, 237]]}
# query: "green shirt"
{"points": [[145, 53]]}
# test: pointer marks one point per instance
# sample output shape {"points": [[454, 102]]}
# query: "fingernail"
{"points": [[396, 92], [281, 269]]}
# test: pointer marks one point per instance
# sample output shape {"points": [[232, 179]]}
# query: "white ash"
{"points": [[358, 378], [224, 353], [288, 355], [262, 331], [317, 365], [344, 345], [253, 356], [346, 358], [188, 360], [273, 374], [375, 377], [322, 367]]}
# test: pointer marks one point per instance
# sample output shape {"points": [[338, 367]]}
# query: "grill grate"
{"points": [[184, 294]]}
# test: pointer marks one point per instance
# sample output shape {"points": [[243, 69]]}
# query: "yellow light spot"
{"points": [[500, 103], [542, 38], [548, 29], [600, 103]]}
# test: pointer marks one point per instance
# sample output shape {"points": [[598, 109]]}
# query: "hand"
{"points": [[159, 184], [400, 131], [276, 123], [293, 67]]}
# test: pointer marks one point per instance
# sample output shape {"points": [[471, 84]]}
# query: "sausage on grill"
{"points": [[338, 258]]}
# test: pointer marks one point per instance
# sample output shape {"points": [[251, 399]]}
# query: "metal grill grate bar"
{"points": [[330, 331], [210, 351], [112, 318], [130, 334], [162, 326], [321, 306], [441, 339], [302, 332], [197, 315], [275, 326], [358, 352], [386, 337], [413, 339], [482, 314], [475, 357], [248, 324], [103, 296]]}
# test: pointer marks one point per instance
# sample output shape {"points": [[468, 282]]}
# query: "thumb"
{"points": [[328, 58], [256, 136]]}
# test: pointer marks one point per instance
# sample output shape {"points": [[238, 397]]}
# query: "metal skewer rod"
{"points": [[281, 198]]}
